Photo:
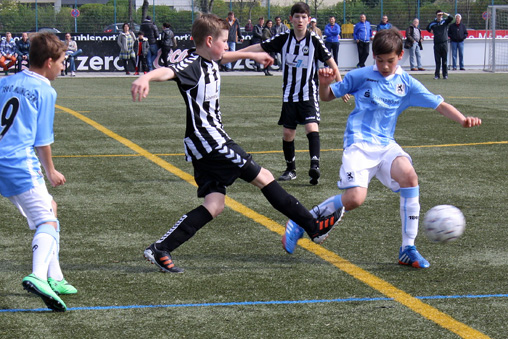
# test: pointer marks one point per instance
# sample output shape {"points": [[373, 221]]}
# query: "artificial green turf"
{"points": [[115, 203]]}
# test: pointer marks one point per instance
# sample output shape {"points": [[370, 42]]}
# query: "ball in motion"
{"points": [[444, 223]]}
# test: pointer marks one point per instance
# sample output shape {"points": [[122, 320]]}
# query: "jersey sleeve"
{"points": [[346, 86], [276, 43], [187, 71], [322, 53], [45, 117], [421, 96]]}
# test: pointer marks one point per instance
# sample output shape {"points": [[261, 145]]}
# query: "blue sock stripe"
{"points": [[48, 229], [337, 201], [410, 192]]}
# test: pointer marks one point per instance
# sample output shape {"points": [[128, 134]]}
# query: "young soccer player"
{"points": [[26, 133], [382, 92], [218, 161], [301, 50]]}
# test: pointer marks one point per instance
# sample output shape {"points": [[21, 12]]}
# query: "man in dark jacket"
{"points": [[234, 36], [257, 37], [439, 27], [151, 33], [457, 34]]}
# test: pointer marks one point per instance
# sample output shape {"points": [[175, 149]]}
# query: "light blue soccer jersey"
{"points": [[27, 109], [379, 102]]}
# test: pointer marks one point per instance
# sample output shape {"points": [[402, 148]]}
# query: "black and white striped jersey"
{"points": [[299, 63], [199, 82]]}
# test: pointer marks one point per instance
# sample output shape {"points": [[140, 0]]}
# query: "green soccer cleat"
{"points": [[62, 286], [40, 287]]}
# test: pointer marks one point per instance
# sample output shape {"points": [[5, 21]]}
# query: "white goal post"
{"points": [[496, 45]]}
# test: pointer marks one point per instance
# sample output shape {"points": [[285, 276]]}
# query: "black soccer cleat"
{"points": [[324, 225], [161, 259], [288, 175], [314, 174]]}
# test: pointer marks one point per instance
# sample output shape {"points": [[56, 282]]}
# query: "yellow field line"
{"points": [[427, 311], [270, 152]]}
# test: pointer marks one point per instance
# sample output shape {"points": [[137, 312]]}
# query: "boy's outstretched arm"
{"points": [[452, 113], [259, 56], [326, 78], [333, 65], [252, 48], [141, 86]]}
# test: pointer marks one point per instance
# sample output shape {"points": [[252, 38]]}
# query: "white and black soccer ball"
{"points": [[444, 223]]}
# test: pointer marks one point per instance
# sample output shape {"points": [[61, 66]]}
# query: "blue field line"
{"points": [[253, 303]]}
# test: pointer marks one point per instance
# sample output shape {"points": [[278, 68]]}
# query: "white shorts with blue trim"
{"points": [[362, 161], [35, 205]]}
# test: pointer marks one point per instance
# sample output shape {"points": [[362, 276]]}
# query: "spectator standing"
{"points": [[234, 35], [257, 37], [168, 42], [142, 47], [72, 52], [439, 27], [314, 28], [151, 33], [362, 33], [7, 52], [22, 51], [126, 40], [278, 28], [457, 34], [267, 34], [332, 32], [249, 26], [413, 42], [384, 24]]}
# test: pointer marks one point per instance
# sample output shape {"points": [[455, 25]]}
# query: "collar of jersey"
{"points": [[397, 71], [37, 75]]}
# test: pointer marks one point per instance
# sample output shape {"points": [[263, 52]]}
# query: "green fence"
{"points": [[93, 18]]}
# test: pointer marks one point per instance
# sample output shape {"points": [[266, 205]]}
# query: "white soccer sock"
{"points": [[43, 249], [328, 206], [54, 270], [409, 214]]}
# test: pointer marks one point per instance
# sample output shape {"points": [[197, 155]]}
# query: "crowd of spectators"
{"points": [[139, 54]]}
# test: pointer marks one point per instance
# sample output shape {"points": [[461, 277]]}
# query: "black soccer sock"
{"points": [[289, 154], [288, 205], [184, 229], [314, 148]]}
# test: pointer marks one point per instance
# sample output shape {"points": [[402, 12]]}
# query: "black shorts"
{"points": [[220, 168], [299, 113]]}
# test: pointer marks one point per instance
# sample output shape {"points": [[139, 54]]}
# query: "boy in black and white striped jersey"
{"points": [[218, 161]]}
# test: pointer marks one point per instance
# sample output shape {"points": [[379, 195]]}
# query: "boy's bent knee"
{"points": [[264, 178]]}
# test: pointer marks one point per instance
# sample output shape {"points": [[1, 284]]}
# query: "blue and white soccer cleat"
{"points": [[411, 256], [291, 236]]}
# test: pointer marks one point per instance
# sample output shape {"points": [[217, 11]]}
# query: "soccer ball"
{"points": [[444, 223]]}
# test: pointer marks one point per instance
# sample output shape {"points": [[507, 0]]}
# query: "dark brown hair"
{"points": [[387, 41], [44, 46]]}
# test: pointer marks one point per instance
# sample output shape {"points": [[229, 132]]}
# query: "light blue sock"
{"points": [[328, 206]]}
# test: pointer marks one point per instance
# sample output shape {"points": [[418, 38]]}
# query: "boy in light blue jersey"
{"points": [[382, 92], [27, 109]]}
